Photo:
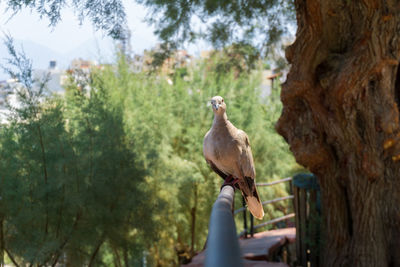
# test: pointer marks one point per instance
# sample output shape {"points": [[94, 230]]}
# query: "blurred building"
{"points": [[79, 71], [53, 77], [137, 63], [268, 81], [5, 90], [7, 97], [205, 54], [124, 44], [156, 58], [178, 59], [81, 64]]}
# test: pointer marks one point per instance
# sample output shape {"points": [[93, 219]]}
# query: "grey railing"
{"points": [[250, 231], [222, 247]]}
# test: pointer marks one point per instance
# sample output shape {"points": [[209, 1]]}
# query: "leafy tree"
{"points": [[108, 16], [226, 21], [72, 190], [166, 124], [238, 57], [117, 172]]}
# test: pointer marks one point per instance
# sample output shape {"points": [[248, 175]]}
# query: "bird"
{"points": [[227, 151]]}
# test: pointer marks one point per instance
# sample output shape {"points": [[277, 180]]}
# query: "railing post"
{"points": [[244, 218], [222, 242], [251, 225], [306, 188]]}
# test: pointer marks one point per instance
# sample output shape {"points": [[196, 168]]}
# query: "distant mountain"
{"points": [[99, 50], [94, 49], [39, 54]]}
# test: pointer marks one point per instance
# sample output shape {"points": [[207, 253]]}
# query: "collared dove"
{"points": [[227, 151]]}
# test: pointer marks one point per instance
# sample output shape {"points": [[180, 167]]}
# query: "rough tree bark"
{"points": [[341, 119]]}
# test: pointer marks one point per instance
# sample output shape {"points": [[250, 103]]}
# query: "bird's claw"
{"points": [[231, 181]]}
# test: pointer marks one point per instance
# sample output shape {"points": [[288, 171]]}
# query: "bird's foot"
{"points": [[231, 181]]}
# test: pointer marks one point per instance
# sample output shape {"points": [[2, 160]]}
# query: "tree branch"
{"points": [[96, 251], [59, 250], [45, 177], [11, 257]]}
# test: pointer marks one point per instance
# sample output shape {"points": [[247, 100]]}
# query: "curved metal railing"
{"points": [[222, 247]]}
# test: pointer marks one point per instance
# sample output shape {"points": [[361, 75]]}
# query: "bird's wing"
{"points": [[216, 170], [206, 141], [207, 155], [248, 186], [246, 157]]}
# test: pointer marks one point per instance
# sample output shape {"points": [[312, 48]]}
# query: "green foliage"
{"points": [[236, 58], [221, 22], [70, 183], [106, 15], [168, 123], [261, 22], [114, 171]]}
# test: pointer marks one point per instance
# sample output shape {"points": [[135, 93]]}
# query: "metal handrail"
{"points": [[291, 215], [274, 182], [276, 200], [266, 203], [222, 243]]}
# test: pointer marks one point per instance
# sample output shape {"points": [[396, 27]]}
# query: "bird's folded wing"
{"points": [[246, 158], [215, 169]]}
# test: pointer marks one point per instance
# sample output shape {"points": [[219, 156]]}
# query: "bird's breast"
{"points": [[224, 157]]}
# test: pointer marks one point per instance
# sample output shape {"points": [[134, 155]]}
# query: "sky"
{"points": [[68, 33], [68, 38]]}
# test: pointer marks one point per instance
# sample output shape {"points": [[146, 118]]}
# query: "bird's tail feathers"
{"points": [[250, 194], [255, 206]]}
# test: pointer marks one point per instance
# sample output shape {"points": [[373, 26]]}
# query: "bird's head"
{"points": [[218, 105]]}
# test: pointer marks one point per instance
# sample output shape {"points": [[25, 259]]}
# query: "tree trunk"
{"points": [[2, 241], [341, 120], [96, 250], [193, 224]]}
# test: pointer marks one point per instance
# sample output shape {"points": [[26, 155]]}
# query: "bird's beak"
{"points": [[216, 106]]}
